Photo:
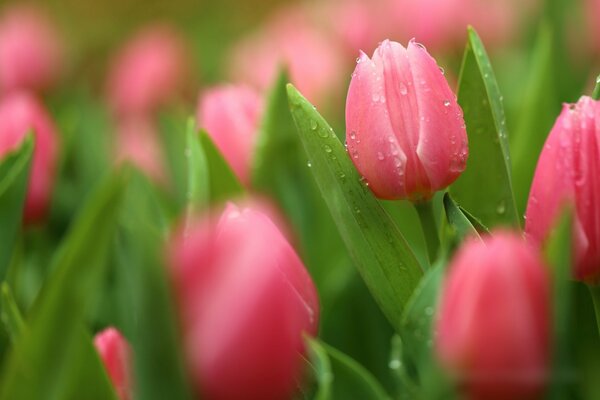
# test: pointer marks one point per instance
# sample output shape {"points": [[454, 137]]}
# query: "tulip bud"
{"points": [[115, 353], [148, 72], [245, 300], [231, 116], [138, 142], [405, 131], [30, 50], [493, 324], [20, 114], [567, 172]]}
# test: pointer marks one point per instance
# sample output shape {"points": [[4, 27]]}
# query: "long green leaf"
{"points": [[458, 220], [382, 255], [159, 370], [11, 316], [538, 111], [40, 361], [198, 192], [558, 256], [14, 177], [280, 171], [485, 188], [223, 184], [340, 377]]}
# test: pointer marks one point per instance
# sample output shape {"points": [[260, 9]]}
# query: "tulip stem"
{"points": [[430, 229], [595, 291]]}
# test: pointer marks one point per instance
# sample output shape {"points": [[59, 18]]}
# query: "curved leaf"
{"points": [[381, 254], [485, 187], [14, 179]]}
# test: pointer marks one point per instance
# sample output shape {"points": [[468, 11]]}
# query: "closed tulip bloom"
{"points": [[405, 131], [20, 114], [115, 353], [493, 321], [30, 50], [245, 300], [231, 115], [567, 172], [148, 71]]}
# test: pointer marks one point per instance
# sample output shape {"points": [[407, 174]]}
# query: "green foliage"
{"points": [[382, 256], [339, 376], [48, 360], [489, 163], [14, 177]]}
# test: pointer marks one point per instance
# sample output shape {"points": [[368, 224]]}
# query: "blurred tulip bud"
{"points": [[231, 116], [405, 131], [290, 39], [30, 50], [567, 172], [148, 72], [138, 142], [245, 300], [20, 114], [493, 323], [115, 354]]}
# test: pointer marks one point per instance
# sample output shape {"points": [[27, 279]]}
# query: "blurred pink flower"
{"points": [[567, 171], [493, 322], [147, 72], [231, 116], [245, 299], [115, 353], [405, 131], [290, 39], [30, 50], [138, 141], [20, 114]]}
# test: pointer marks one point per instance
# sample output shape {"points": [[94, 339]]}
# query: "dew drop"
{"points": [[327, 149], [446, 103], [395, 364], [501, 208], [403, 89], [313, 124], [380, 156], [353, 135], [309, 164]]}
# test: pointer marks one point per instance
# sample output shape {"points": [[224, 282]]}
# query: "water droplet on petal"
{"points": [[446, 103], [403, 89], [380, 156]]}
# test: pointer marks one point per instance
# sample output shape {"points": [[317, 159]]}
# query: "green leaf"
{"points": [[558, 255], [280, 171], [40, 361], [539, 109], [340, 377], [11, 316], [381, 254], [458, 220], [198, 193], [596, 93], [14, 177], [159, 369], [223, 183], [485, 188], [417, 334]]}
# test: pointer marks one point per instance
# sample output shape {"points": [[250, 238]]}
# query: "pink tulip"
{"points": [[245, 300], [567, 172], [138, 142], [405, 131], [292, 40], [493, 323], [21, 113], [115, 353], [231, 115], [30, 50], [148, 72]]}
